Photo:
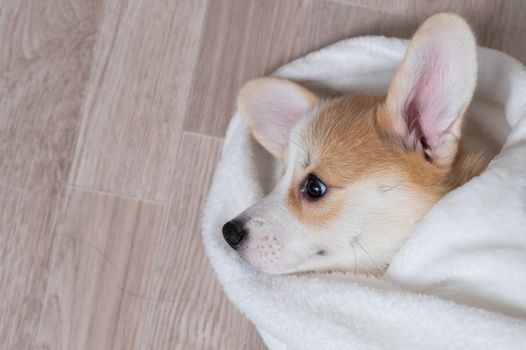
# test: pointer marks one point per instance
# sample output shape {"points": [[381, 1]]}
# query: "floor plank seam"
{"points": [[169, 203], [115, 194], [57, 234], [168, 211], [79, 140], [373, 8], [199, 134]]}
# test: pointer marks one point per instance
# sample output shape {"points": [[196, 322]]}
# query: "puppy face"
{"points": [[359, 170]]}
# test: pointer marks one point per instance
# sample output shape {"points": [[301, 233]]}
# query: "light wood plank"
{"points": [[499, 24], [243, 39], [486, 17], [329, 22], [96, 293], [195, 313], [143, 65], [44, 63], [45, 48], [513, 41], [395, 6], [27, 222]]}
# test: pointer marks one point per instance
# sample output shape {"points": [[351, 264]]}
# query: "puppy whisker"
{"points": [[370, 257], [354, 251]]}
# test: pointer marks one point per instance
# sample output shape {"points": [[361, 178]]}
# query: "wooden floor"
{"points": [[112, 115]]}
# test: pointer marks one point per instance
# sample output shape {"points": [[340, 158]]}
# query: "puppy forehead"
{"points": [[341, 143]]}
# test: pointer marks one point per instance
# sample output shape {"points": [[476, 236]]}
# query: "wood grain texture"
{"points": [[243, 39], [498, 24], [100, 272], [45, 49], [329, 22], [27, 222], [143, 64], [514, 41], [128, 270], [261, 36], [487, 18], [395, 6], [195, 313]]}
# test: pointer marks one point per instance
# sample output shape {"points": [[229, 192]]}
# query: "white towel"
{"points": [[459, 281]]}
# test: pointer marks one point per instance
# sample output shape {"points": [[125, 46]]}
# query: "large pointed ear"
{"points": [[433, 87], [271, 107]]}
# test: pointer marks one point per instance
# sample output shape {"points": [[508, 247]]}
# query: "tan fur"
{"points": [[353, 139], [385, 160], [315, 213]]}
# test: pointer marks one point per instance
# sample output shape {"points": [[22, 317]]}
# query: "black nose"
{"points": [[234, 232]]}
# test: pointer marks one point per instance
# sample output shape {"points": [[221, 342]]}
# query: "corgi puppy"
{"points": [[360, 170]]}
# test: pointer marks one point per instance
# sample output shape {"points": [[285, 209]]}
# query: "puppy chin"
{"points": [[270, 269], [262, 261]]}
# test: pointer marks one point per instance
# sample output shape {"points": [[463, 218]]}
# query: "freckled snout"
{"points": [[234, 233]]}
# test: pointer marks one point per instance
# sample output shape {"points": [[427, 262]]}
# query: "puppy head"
{"points": [[359, 170]]}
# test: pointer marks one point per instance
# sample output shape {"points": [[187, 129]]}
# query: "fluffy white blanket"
{"points": [[459, 281]]}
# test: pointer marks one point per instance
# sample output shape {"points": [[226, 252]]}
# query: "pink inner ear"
{"points": [[433, 87], [286, 114], [427, 102], [412, 116]]}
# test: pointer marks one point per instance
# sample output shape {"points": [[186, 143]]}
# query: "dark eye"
{"points": [[314, 187]]}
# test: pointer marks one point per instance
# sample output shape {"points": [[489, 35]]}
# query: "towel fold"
{"points": [[460, 279]]}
